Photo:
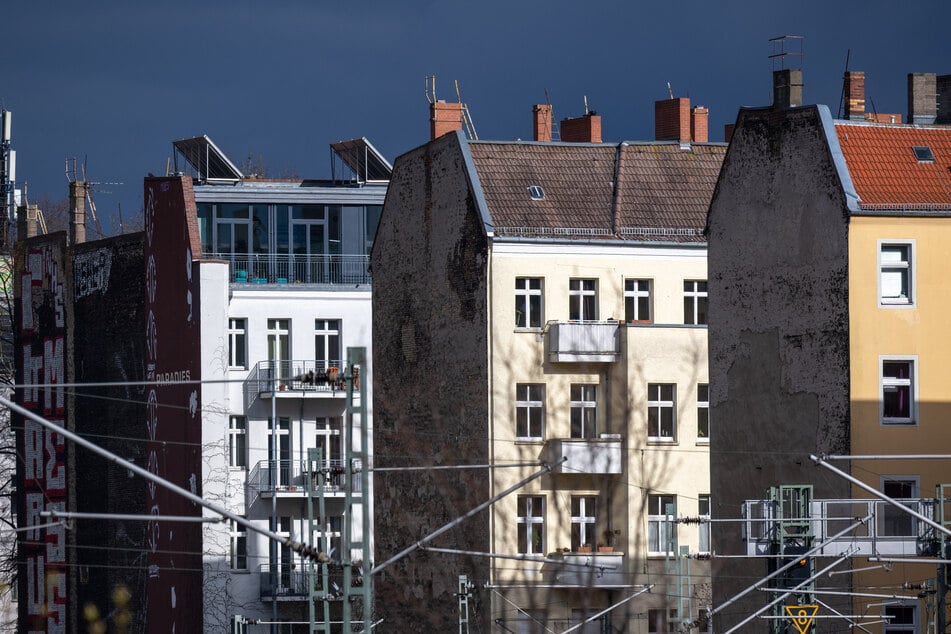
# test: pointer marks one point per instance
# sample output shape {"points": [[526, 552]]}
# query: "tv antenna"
{"points": [[88, 187]]}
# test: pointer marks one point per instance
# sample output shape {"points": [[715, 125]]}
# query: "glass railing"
{"points": [[265, 268]]}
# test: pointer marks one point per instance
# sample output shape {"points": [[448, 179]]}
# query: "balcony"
{"points": [[292, 479], [587, 455], [583, 341], [294, 585], [298, 379], [265, 268], [586, 570]]}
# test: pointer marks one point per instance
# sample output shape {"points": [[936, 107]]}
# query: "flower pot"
{"points": [[584, 549], [605, 549]]}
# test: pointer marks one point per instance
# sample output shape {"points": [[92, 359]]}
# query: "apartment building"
{"points": [[251, 300], [540, 316], [828, 240]]}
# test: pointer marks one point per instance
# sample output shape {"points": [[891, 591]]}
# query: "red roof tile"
{"points": [[885, 172]]}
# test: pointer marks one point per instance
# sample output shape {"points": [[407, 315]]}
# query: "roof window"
{"points": [[536, 192], [923, 153]]}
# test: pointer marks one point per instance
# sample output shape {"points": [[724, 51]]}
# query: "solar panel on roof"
{"points": [[923, 153]]}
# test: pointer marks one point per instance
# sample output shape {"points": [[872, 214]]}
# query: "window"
{"points": [[239, 546], [703, 510], [279, 347], [661, 529], [327, 343], [584, 518], [695, 302], [531, 524], [896, 274], [528, 302], [923, 153], [894, 521], [583, 300], [703, 412], [584, 411], [535, 192], [904, 619], [899, 391], [661, 619], [661, 418], [238, 346], [637, 300], [329, 441], [529, 411], [237, 441]]}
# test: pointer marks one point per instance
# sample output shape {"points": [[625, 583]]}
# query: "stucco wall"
{"points": [[430, 387], [779, 330]]}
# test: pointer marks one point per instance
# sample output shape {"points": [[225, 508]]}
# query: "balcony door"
{"points": [[283, 450], [279, 348]]}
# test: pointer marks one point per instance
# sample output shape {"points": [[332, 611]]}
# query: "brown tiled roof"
{"points": [[886, 173], [663, 191]]}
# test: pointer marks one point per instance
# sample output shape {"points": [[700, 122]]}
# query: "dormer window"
{"points": [[536, 192], [923, 153]]}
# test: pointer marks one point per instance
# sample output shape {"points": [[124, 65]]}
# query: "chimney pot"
{"points": [[541, 118], [854, 87], [787, 88]]}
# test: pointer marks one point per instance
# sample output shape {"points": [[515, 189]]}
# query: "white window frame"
{"points": [[889, 513], [579, 290], [584, 409], [892, 383], [907, 265], [693, 297], [585, 520], [656, 518], [703, 411], [527, 405], [238, 545], [657, 405], [324, 332], [639, 289], [703, 512], [237, 456], [533, 517], [525, 291], [238, 343], [900, 628]]}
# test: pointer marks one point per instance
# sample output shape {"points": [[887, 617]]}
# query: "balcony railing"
{"points": [[292, 476], [586, 570], [266, 268], [583, 341], [293, 584], [587, 455]]}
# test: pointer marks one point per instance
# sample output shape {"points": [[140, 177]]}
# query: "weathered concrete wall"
{"points": [[779, 336], [430, 387], [108, 315]]}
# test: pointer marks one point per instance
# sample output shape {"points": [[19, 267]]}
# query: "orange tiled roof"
{"points": [[885, 172]]}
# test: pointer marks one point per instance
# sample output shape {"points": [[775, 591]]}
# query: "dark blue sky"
{"points": [[116, 81]]}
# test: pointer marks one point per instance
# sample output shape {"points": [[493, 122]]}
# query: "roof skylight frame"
{"points": [[536, 192], [923, 153]]}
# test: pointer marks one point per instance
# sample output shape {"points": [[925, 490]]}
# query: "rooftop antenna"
{"points": [[786, 46], [431, 89], [466, 117], [848, 53], [670, 91], [90, 186], [586, 104]]}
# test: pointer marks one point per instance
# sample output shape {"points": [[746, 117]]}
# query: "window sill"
{"points": [[897, 422], [534, 329], [662, 441], [529, 441], [705, 441], [895, 303]]}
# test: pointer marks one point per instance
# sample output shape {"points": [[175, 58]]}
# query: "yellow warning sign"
{"points": [[802, 616]]}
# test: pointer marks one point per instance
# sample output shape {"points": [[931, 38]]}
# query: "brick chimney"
{"points": [[787, 88], [586, 129], [672, 120], [854, 89], [943, 92], [26, 221], [922, 98], [444, 117], [541, 118], [77, 211], [699, 120]]}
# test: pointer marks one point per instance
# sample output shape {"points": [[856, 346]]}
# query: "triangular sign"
{"points": [[802, 616]]}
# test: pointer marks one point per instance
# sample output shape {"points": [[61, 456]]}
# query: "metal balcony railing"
{"points": [[294, 583], [292, 476], [266, 268]]}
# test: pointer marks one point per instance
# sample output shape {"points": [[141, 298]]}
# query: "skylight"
{"points": [[923, 153], [536, 192]]}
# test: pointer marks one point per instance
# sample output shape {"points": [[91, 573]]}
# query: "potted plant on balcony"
{"points": [[607, 546], [584, 548], [604, 548]]}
